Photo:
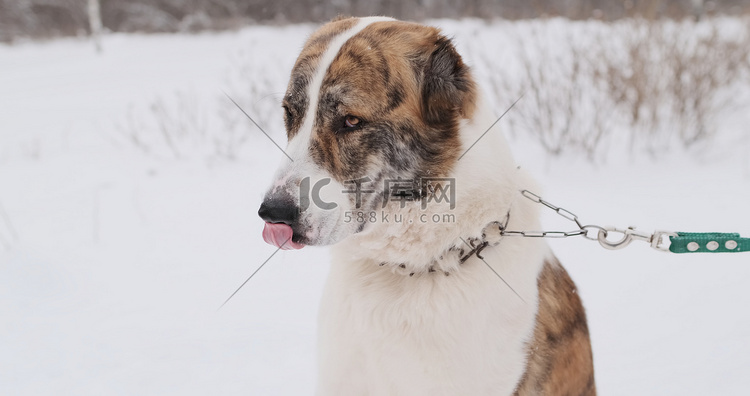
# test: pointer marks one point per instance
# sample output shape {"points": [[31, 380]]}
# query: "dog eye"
{"points": [[351, 122], [348, 124]]}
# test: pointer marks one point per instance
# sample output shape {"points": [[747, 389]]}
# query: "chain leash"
{"points": [[665, 241]]}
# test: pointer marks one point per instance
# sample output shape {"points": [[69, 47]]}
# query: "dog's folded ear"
{"points": [[448, 91]]}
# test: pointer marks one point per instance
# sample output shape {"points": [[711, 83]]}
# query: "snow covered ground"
{"points": [[113, 261]]}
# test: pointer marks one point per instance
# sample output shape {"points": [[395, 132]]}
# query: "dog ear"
{"points": [[448, 91]]}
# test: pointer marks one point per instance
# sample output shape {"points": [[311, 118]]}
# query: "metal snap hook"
{"points": [[627, 237]]}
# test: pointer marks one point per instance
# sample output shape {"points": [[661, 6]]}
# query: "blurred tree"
{"points": [[48, 18], [95, 22]]}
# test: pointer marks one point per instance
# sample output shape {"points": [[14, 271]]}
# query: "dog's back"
{"points": [[559, 360]]}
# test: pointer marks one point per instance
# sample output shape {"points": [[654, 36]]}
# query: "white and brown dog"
{"points": [[379, 115]]}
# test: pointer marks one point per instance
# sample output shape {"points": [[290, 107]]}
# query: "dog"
{"points": [[393, 162]]}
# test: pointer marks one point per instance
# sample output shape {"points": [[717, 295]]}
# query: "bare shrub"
{"points": [[563, 107], [678, 79], [252, 81], [175, 128], [657, 84], [188, 126], [674, 80]]}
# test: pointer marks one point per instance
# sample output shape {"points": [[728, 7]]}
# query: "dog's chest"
{"points": [[431, 335]]}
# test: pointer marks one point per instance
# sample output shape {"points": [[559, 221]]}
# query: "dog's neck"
{"points": [[412, 241], [451, 259], [433, 239]]}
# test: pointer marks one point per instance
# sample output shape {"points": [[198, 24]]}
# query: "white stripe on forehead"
{"points": [[300, 142]]}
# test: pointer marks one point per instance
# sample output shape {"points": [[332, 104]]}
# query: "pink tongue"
{"points": [[280, 235]]}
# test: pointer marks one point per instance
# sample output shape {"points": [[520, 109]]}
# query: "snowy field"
{"points": [[114, 257]]}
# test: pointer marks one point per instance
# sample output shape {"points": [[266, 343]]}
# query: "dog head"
{"points": [[370, 101]]}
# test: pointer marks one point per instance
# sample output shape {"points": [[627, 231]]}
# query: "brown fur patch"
{"points": [[560, 361]]}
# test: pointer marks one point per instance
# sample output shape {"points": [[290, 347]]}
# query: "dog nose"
{"points": [[278, 211]]}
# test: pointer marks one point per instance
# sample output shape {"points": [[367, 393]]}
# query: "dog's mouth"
{"points": [[280, 235]]}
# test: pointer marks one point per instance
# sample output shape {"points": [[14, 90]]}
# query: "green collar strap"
{"points": [[708, 242]]}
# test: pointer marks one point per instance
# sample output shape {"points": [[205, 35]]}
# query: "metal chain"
{"points": [[656, 239]]}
